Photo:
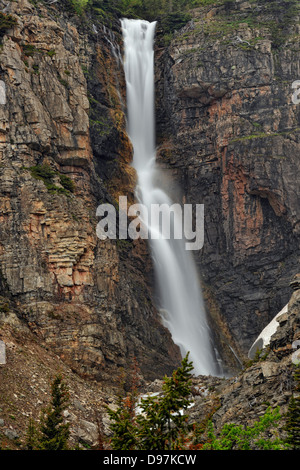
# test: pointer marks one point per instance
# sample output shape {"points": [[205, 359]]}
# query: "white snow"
{"points": [[265, 336]]}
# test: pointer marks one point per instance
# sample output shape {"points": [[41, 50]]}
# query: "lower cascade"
{"points": [[180, 296]]}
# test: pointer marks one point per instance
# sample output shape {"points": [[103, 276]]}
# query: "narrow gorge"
{"points": [[225, 136]]}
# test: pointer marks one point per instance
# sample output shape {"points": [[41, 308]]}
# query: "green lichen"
{"points": [[46, 174], [102, 126], [64, 82]]}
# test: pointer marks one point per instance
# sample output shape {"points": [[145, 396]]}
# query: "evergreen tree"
{"points": [[162, 423], [123, 427], [293, 416], [31, 439], [123, 424], [54, 434]]}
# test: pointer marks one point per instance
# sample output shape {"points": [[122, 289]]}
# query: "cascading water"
{"points": [[180, 299]]}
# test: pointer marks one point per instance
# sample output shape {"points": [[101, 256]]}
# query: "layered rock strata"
{"points": [[64, 151]]}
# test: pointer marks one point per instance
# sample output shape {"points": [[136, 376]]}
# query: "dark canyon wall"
{"points": [[229, 130]]}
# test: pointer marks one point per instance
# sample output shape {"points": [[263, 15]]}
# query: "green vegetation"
{"points": [[51, 433], [293, 415], [163, 424], [35, 68], [6, 22], [263, 135], [171, 15], [271, 20], [46, 174], [29, 50], [102, 125], [51, 53], [67, 183], [258, 357], [237, 437], [79, 5], [123, 246], [64, 82], [4, 305]]}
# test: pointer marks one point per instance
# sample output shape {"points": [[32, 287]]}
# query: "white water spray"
{"points": [[181, 304]]}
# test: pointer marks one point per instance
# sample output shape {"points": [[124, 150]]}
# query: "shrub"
{"points": [[238, 437], [79, 5], [6, 22], [46, 174]]}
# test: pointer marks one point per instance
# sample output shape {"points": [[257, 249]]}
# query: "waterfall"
{"points": [[180, 296]]}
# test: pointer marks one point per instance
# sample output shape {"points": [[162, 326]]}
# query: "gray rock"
{"points": [[11, 434], [269, 369], [87, 432]]}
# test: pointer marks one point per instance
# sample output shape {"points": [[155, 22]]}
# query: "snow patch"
{"points": [[265, 336]]}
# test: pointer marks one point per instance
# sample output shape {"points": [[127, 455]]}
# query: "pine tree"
{"points": [[31, 439], [54, 434], [162, 424], [123, 424], [123, 427], [293, 416]]}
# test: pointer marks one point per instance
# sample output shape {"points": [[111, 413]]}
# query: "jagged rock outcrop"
{"points": [[64, 150], [229, 131], [265, 383]]}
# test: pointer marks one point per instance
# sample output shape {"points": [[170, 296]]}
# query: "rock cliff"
{"points": [[64, 151], [229, 130]]}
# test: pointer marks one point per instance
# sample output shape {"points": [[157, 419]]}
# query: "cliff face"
{"points": [[64, 151], [229, 130]]}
